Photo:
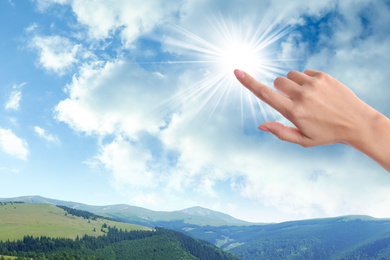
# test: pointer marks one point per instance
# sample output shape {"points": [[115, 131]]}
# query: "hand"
{"points": [[324, 111]]}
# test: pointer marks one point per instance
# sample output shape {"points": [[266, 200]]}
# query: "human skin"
{"points": [[324, 111]]}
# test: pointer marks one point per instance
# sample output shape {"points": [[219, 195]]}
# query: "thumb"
{"points": [[285, 133]]}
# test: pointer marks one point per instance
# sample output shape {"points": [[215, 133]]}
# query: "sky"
{"points": [[135, 102]]}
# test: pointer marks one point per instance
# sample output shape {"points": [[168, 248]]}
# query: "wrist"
{"points": [[373, 137]]}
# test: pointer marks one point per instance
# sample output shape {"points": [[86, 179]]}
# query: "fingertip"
{"points": [[239, 74], [311, 73]]}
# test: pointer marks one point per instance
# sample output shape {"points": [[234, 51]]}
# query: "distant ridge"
{"points": [[204, 212], [39, 199], [142, 216]]}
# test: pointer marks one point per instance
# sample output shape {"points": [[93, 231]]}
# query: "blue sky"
{"points": [[106, 102]]}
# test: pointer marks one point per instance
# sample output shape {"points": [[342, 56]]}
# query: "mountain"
{"points": [[45, 231], [346, 237], [215, 215], [137, 215]]}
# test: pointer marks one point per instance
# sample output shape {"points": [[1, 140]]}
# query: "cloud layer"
{"points": [[149, 148]]}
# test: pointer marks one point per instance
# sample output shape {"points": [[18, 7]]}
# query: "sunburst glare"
{"points": [[231, 46]]}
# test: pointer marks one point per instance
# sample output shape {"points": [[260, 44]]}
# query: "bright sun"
{"points": [[240, 55], [229, 48]]}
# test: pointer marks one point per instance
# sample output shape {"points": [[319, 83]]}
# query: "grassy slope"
{"points": [[18, 220], [8, 257]]}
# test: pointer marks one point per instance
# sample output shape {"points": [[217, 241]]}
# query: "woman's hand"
{"points": [[324, 111]]}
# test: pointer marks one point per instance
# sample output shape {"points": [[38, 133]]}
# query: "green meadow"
{"points": [[8, 257], [18, 220]]}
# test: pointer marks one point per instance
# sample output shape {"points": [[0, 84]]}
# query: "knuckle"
{"points": [[313, 81], [289, 114], [264, 93], [321, 75], [282, 136]]}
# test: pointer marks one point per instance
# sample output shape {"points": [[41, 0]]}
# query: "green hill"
{"points": [[45, 231], [20, 219]]}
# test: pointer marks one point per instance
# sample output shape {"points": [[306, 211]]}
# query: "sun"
{"points": [[240, 54], [232, 46]]}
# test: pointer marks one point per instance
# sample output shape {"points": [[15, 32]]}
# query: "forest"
{"points": [[82, 213], [116, 244]]}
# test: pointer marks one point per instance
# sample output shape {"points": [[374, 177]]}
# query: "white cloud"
{"points": [[311, 186], [114, 97], [14, 98], [48, 137], [358, 55], [13, 145], [44, 4], [129, 18], [56, 54], [169, 152], [128, 164], [31, 28], [13, 101], [280, 175]]}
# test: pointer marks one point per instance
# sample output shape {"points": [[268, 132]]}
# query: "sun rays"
{"points": [[232, 46]]}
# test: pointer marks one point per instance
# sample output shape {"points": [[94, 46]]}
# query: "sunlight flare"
{"points": [[232, 46]]}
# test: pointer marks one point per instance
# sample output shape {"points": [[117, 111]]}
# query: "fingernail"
{"points": [[264, 129], [239, 74]]}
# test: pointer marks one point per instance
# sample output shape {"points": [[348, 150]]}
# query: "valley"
{"points": [[344, 237]]}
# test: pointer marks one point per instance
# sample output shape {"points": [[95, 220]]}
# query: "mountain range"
{"points": [[345, 237], [137, 215]]}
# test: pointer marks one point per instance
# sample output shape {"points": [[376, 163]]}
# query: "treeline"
{"points": [[116, 244], [82, 213]]}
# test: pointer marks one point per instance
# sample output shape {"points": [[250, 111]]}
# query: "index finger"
{"points": [[265, 93]]}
